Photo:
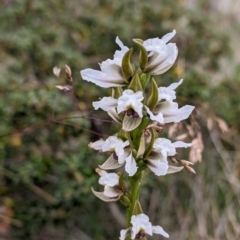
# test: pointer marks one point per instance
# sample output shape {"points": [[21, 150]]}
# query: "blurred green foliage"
{"points": [[46, 167]]}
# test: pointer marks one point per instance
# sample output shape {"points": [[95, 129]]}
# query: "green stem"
{"points": [[135, 207]]}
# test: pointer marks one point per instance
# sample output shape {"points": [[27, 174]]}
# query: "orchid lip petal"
{"points": [[130, 123]]}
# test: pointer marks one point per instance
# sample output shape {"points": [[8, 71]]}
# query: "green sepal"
{"points": [[143, 56], [125, 201], [117, 92], [150, 145], [120, 181], [135, 84], [138, 40], [134, 153], [127, 66], [141, 165], [123, 135], [144, 78], [137, 208], [153, 99], [142, 146]]}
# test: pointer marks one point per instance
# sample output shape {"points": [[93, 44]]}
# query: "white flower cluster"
{"points": [[138, 112]]}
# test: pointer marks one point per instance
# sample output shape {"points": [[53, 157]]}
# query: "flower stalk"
{"points": [[135, 207]]}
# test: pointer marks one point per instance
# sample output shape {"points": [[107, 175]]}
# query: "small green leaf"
{"points": [[135, 83], [143, 56], [127, 66], [153, 99]]}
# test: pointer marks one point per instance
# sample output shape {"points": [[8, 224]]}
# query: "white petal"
{"points": [[131, 165], [171, 112], [131, 100], [123, 234], [181, 114], [113, 143], [119, 54], [109, 179], [161, 66], [110, 68], [173, 86], [158, 167], [157, 156], [164, 146], [168, 93], [106, 104], [97, 145], [166, 38], [158, 117], [101, 79], [180, 144], [159, 230]]}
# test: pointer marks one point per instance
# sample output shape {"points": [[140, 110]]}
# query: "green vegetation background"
{"points": [[46, 168]]}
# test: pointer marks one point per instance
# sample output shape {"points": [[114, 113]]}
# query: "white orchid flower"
{"points": [[140, 227], [157, 159], [111, 71], [110, 182], [161, 55], [129, 103], [112, 144], [121, 154]]}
